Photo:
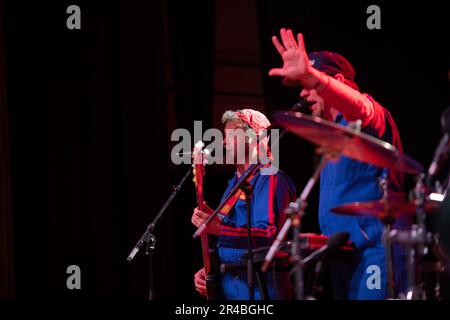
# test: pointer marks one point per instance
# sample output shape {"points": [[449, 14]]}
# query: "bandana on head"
{"points": [[255, 119]]}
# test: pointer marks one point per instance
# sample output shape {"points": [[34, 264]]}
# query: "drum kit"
{"points": [[418, 241]]}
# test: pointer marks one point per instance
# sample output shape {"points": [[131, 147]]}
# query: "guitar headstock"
{"points": [[198, 162]]}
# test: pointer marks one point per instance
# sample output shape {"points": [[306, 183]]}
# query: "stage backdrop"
{"points": [[91, 112]]}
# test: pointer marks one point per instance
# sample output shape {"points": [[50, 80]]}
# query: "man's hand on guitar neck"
{"points": [[200, 215]]}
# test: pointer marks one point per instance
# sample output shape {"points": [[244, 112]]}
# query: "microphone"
{"points": [[303, 106], [334, 242], [443, 148], [207, 152]]}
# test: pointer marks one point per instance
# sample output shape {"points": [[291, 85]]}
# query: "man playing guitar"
{"points": [[271, 194]]}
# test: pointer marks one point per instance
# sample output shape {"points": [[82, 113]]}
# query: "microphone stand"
{"points": [[387, 239], [149, 240], [416, 253], [248, 191], [296, 210]]}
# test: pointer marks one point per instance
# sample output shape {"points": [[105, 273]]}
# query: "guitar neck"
{"points": [[208, 251], [204, 236], [200, 199]]}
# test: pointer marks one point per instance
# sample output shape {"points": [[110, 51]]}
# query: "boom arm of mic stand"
{"points": [[238, 185], [147, 237]]}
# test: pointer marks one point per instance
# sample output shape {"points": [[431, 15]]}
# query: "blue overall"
{"points": [[347, 181], [271, 194]]}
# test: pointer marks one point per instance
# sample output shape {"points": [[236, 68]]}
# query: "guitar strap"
{"points": [[239, 194]]}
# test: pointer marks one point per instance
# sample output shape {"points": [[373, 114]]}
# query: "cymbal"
{"points": [[347, 141], [390, 208]]}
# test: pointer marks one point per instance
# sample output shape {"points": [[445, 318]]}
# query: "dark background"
{"points": [[86, 118]]}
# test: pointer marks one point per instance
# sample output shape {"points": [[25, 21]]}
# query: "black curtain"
{"points": [[89, 144], [296, 155], [191, 36], [6, 235], [191, 33]]}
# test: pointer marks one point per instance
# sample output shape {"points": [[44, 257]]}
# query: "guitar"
{"points": [[210, 260]]}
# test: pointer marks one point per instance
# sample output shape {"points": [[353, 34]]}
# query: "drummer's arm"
{"points": [[296, 67], [350, 102]]}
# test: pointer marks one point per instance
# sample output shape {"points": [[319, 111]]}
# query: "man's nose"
{"points": [[304, 93]]}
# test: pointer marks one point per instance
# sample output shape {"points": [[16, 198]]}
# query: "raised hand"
{"points": [[296, 64]]}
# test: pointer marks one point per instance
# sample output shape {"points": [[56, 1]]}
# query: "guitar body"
{"points": [[209, 252]]}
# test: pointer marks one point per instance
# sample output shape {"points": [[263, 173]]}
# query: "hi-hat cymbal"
{"points": [[390, 208], [347, 141]]}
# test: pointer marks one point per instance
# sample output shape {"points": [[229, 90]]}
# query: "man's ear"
{"points": [[339, 77]]}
